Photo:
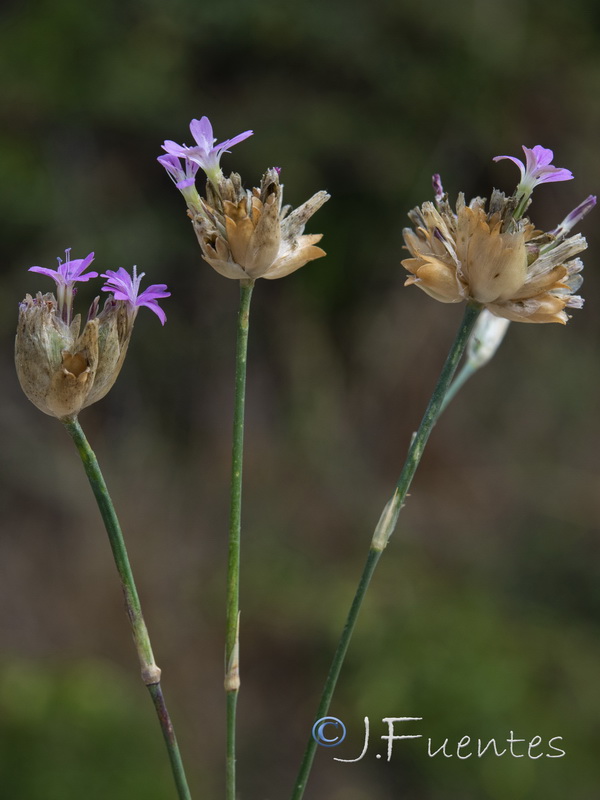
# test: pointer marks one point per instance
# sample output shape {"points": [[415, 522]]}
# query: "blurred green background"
{"points": [[483, 616]]}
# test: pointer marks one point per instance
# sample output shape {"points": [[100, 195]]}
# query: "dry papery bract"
{"points": [[247, 235], [488, 257]]}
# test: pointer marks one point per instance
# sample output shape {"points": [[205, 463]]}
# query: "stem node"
{"points": [[151, 674]]}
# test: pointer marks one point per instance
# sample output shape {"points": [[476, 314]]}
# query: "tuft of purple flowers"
{"points": [[125, 287], [120, 283], [205, 153]]}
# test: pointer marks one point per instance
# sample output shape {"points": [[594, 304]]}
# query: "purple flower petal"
{"points": [[73, 269], [551, 174], [151, 302], [202, 131], [174, 148], [224, 146], [171, 163], [537, 157], [51, 273], [516, 161]]}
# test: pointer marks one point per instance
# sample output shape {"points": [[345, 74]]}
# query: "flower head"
{"points": [[243, 234], [491, 258], [205, 154], [62, 370], [247, 234], [125, 287], [538, 168]]}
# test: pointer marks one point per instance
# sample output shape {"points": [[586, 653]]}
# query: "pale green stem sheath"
{"points": [[232, 664], [150, 672], [467, 370], [384, 530]]}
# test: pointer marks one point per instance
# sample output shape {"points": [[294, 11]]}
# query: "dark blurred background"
{"points": [[483, 616]]}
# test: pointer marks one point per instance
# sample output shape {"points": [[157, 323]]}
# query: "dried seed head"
{"points": [[493, 259], [60, 370], [248, 235]]}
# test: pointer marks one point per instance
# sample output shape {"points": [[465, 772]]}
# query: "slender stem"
{"points": [[384, 530], [232, 667], [168, 731], [149, 669]]}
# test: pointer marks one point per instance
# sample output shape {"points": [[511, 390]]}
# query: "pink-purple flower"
{"points": [[69, 271], [125, 287], [182, 176], [66, 276], [438, 189], [205, 154], [182, 172], [538, 168]]}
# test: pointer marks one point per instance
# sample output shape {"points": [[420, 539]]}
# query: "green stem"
{"points": [[149, 669], [384, 530], [232, 668]]}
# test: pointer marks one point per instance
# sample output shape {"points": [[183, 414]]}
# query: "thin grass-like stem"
{"points": [[149, 669], [384, 530], [232, 664]]}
